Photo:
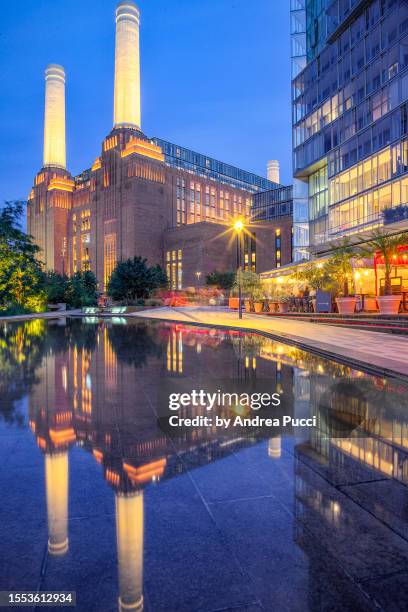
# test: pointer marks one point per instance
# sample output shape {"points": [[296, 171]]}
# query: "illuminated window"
{"points": [[278, 247], [85, 220], [250, 253], [181, 202], [207, 203], [74, 254], [109, 257], [106, 177], [174, 268]]}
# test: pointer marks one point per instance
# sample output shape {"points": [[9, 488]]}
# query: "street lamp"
{"points": [[238, 227], [198, 275]]}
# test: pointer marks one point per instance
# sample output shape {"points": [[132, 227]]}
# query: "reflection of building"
{"points": [[96, 391], [129, 533], [123, 365], [368, 428], [142, 196], [349, 88], [54, 434]]}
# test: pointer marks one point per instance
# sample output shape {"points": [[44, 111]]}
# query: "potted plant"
{"points": [[315, 274], [283, 305], [386, 245], [233, 301], [250, 286], [340, 268], [258, 297]]}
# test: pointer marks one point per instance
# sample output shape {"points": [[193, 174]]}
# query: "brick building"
{"points": [[144, 196]]}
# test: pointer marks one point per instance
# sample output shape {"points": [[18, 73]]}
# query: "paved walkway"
{"points": [[384, 352]]}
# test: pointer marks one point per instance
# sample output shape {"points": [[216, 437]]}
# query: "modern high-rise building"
{"points": [[350, 119], [143, 196]]}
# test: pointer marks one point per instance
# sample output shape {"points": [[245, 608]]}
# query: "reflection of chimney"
{"points": [[56, 478], [273, 170], [54, 117], [129, 534], [274, 447], [127, 67]]}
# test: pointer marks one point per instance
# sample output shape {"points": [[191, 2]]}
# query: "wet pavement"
{"points": [[97, 499]]}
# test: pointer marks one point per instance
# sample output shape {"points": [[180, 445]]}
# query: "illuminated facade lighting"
{"points": [[54, 117], [127, 67]]}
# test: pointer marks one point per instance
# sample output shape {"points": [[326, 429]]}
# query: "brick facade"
{"points": [[131, 202]]}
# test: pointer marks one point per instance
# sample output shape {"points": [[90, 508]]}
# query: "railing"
{"points": [[396, 214]]}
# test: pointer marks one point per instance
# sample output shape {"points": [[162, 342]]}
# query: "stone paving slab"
{"points": [[371, 350]]}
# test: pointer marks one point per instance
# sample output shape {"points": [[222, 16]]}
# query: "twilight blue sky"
{"points": [[215, 78]]}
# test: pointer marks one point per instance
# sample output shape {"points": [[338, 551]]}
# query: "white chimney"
{"points": [[54, 117], [273, 170], [127, 67]]}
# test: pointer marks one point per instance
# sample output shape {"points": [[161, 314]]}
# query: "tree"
{"points": [[339, 265], [251, 284], [133, 279], [21, 277], [56, 287], [81, 289], [223, 280], [386, 245], [315, 275], [21, 352], [158, 277]]}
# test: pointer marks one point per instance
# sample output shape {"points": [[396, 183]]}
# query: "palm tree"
{"points": [[387, 245], [339, 266]]}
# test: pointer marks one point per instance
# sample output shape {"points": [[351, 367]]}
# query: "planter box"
{"points": [[346, 305], [283, 307], [258, 307], [389, 304], [247, 305], [233, 303]]}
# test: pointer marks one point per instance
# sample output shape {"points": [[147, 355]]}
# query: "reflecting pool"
{"points": [[96, 498]]}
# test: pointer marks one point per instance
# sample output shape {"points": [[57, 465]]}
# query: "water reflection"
{"points": [[93, 384]]}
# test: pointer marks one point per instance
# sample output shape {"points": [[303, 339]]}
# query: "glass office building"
{"points": [[272, 204], [350, 114], [202, 165]]}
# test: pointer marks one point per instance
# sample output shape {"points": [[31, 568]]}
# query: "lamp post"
{"points": [[198, 275], [238, 227]]}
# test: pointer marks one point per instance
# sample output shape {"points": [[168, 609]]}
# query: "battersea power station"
{"points": [[146, 196]]}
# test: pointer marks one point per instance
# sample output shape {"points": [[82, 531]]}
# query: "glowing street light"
{"points": [[198, 276], [238, 226]]}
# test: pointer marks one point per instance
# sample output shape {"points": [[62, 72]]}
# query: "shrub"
{"points": [[133, 279]]}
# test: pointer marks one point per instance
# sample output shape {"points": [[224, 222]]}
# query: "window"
{"points": [[174, 269], [181, 217], [278, 247], [109, 257], [85, 220], [249, 253]]}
